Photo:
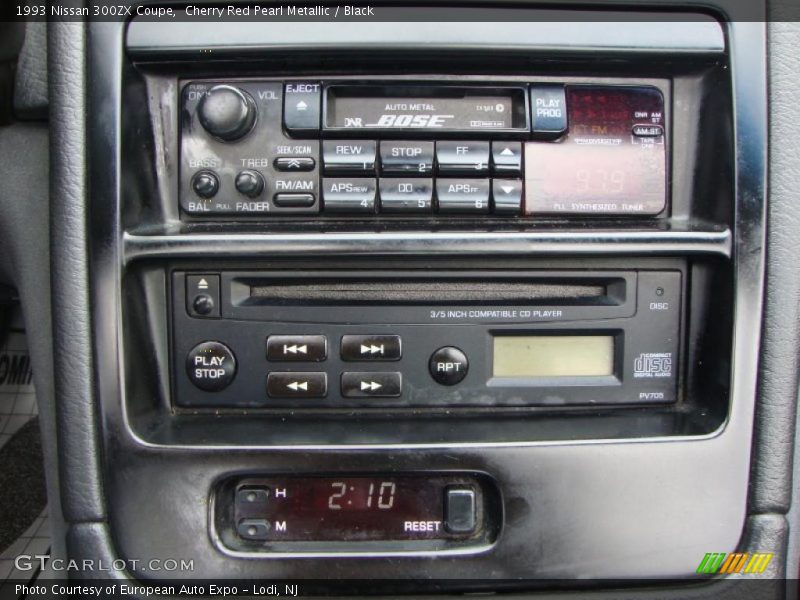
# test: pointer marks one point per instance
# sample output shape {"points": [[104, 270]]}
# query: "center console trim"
{"points": [[530, 243]]}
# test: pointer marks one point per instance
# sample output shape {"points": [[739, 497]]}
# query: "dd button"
{"points": [[448, 365], [211, 366]]}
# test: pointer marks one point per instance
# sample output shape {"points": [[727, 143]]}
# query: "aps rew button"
{"points": [[349, 195]]}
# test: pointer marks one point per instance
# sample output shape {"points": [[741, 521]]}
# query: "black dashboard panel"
{"points": [[534, 446]]}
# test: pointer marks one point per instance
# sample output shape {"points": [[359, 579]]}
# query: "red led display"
{"points": [[611, 162]]}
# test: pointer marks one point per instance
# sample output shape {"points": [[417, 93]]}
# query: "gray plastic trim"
{"points": [[511, 29], [532, 243]]}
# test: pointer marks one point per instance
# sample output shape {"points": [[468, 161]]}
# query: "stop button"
{"points": [[211, 366], [448, 365]]}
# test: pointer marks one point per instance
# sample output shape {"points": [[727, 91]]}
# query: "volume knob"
{"points": [[227, 112]]}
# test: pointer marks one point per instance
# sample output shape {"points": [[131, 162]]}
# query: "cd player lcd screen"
{"points": [[554, 356]]}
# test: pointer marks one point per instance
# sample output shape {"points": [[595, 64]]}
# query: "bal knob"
{"points": [[227, 112]]}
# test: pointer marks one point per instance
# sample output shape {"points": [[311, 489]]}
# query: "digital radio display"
{"points": [[349, 508], [429, 108], [612, 161], [553, 356]]}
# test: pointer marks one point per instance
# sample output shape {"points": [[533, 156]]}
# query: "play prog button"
{"points": [[448, 365], [211, 366]]}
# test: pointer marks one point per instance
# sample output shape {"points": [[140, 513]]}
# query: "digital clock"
{"points": [[358, 509]]}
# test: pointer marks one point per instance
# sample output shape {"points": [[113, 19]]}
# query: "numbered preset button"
{"points": [[463, 195], [406, 158], [349, 195], [346, 157], [406, 195]]}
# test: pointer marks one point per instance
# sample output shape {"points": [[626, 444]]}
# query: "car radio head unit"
{"points": [[432, 339], [424, 149]]}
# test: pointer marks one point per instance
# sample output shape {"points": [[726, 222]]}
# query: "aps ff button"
{"points": [[448, 365]]}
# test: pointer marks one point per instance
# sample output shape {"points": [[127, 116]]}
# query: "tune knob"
{"points": [[227, 112]]}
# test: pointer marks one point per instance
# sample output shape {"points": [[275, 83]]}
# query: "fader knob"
{"points": [[227, 112]]}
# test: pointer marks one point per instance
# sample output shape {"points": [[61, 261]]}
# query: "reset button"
{"points": [[459, 510]]}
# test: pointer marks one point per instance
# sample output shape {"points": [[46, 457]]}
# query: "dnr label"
{"points": [[15, 369]]}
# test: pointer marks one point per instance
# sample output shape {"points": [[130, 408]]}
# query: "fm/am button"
{"points": [[297, 194]]}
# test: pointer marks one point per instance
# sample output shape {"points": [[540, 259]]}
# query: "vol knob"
{"points": [[227, 112]]}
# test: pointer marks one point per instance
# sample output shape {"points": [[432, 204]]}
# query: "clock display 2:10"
{"points": [[360, 494]]}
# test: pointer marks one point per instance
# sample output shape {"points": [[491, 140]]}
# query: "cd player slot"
{"points": [[333, 292]]}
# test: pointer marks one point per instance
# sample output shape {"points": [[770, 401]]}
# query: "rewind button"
{"points": [[297, 385], [371, 384]]}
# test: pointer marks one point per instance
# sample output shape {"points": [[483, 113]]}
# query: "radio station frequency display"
{"points": [[425, 108]]}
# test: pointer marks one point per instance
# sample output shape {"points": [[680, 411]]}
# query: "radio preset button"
{"points": [[297, 348], [205, 184], [406, 158], [356, 348], [448, 365], [507, 158], [372, 384], [297, 385], [406, 195], [293, 164], [463, 195], [211, 366], [294, 200], [250, 183], [462, 158], [345, 156], [301, 107], [507, 196], [352, 195], [549, 108]]}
